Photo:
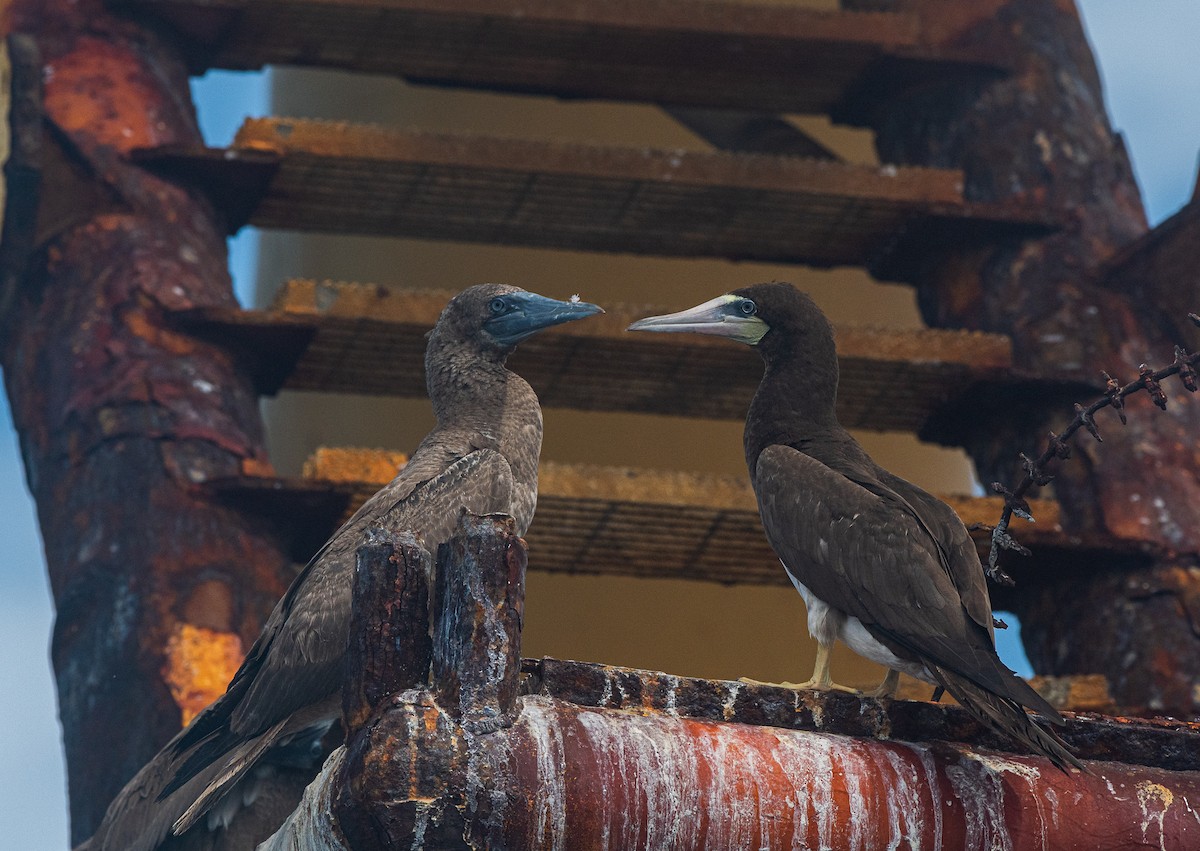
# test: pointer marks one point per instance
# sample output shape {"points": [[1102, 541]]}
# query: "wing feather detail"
{"points": [[854, 550]]}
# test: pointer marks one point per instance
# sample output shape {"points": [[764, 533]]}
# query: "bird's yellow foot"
{"points": [[887, 688], [818, 685]]}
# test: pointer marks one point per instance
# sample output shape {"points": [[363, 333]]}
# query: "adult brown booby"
{"points": [[882, 565], [482, 456]]}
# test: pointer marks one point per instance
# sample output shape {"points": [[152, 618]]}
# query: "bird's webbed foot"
{"points": [[814, 683]]}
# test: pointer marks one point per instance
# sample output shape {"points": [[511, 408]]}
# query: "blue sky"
{"points": [[1152, 81]]}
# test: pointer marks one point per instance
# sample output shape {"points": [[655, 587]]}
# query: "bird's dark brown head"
{"points": [[491, 319], [795, 340], [792, 321]]}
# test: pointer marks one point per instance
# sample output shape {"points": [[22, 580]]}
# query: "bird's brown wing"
{"points": [[955, 549], [861, 555], [297, 659]]}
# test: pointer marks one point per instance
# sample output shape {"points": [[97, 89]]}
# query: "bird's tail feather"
{"points": [[1009, 717], [234, 769]]}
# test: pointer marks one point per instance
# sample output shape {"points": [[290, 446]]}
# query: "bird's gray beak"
{"points": [[532, 313], [719, 317]]}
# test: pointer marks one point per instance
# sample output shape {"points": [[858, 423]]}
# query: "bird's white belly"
{"points": [[826, 624]]}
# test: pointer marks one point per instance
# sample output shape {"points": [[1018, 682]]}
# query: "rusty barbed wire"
{"points": [[1057, 447]]}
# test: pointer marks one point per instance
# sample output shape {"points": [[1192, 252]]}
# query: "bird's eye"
{"points": [[498, 306], [747, 307]]}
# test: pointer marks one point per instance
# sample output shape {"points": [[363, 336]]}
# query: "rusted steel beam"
{"points": [[1157, 743], [477, 628], [710, 53], [158, 587], [364, 338], [1042, 136]]}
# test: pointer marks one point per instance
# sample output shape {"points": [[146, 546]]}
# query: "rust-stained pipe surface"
{"points": [[631, 772], [571, 778], [594, 779], [158, 589]]}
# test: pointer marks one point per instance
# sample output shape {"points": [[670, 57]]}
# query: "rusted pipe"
{"points": [[567, 777], [595, 779], [422, 772]]}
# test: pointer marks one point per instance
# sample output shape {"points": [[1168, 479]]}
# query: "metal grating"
{"points": [[341, 178], [356, 338], [648, 524], [688, 52]]}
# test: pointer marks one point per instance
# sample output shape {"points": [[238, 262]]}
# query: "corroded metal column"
{"points": [[1041, 135], [158, 589]]}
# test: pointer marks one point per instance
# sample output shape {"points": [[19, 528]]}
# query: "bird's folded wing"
{"points": [[305, 653], [861, 555]]}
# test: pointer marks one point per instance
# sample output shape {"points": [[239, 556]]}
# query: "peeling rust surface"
{"points": [[200, 662], [390, 647], [569, 777], [477, 626], [1041, 136], [1162, 743], [120, 415], [580, 778]]}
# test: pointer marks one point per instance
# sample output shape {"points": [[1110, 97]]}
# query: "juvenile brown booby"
{"points": [[882, 565], [481, 456]]}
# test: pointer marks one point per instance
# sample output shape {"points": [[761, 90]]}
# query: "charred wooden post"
{"points": [[390, 645], [1042, 135], [477, 632], [402, 778], [158, 588]]}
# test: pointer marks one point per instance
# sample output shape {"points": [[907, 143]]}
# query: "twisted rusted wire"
{"points": [[1058, 448]]}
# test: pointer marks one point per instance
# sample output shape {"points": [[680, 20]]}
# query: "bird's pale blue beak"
{"points": [[721, 317], [529, 313]]}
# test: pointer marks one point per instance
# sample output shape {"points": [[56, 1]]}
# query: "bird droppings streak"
{"points": [[679, 783], [1154, 800], [550, 808]]}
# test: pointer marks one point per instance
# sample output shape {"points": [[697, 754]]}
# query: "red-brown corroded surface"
{"points": [[157, 587], [1041, 135], [599, 779], [567, 777], [598, 757]]}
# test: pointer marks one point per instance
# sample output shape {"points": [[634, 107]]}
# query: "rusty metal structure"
{"points": [[571, 755], [1007, 202]]}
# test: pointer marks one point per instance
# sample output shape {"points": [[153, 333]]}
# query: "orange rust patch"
{"points": [[103, 88], [199, 664], [257, 467], [140, 324], [354, 465]]}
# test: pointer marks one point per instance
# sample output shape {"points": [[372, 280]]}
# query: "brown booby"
{"points": [[882, 565], [482, 456]]}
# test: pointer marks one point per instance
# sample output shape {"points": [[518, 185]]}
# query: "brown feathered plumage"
{"points": [[481, 457], [882, 565]]}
